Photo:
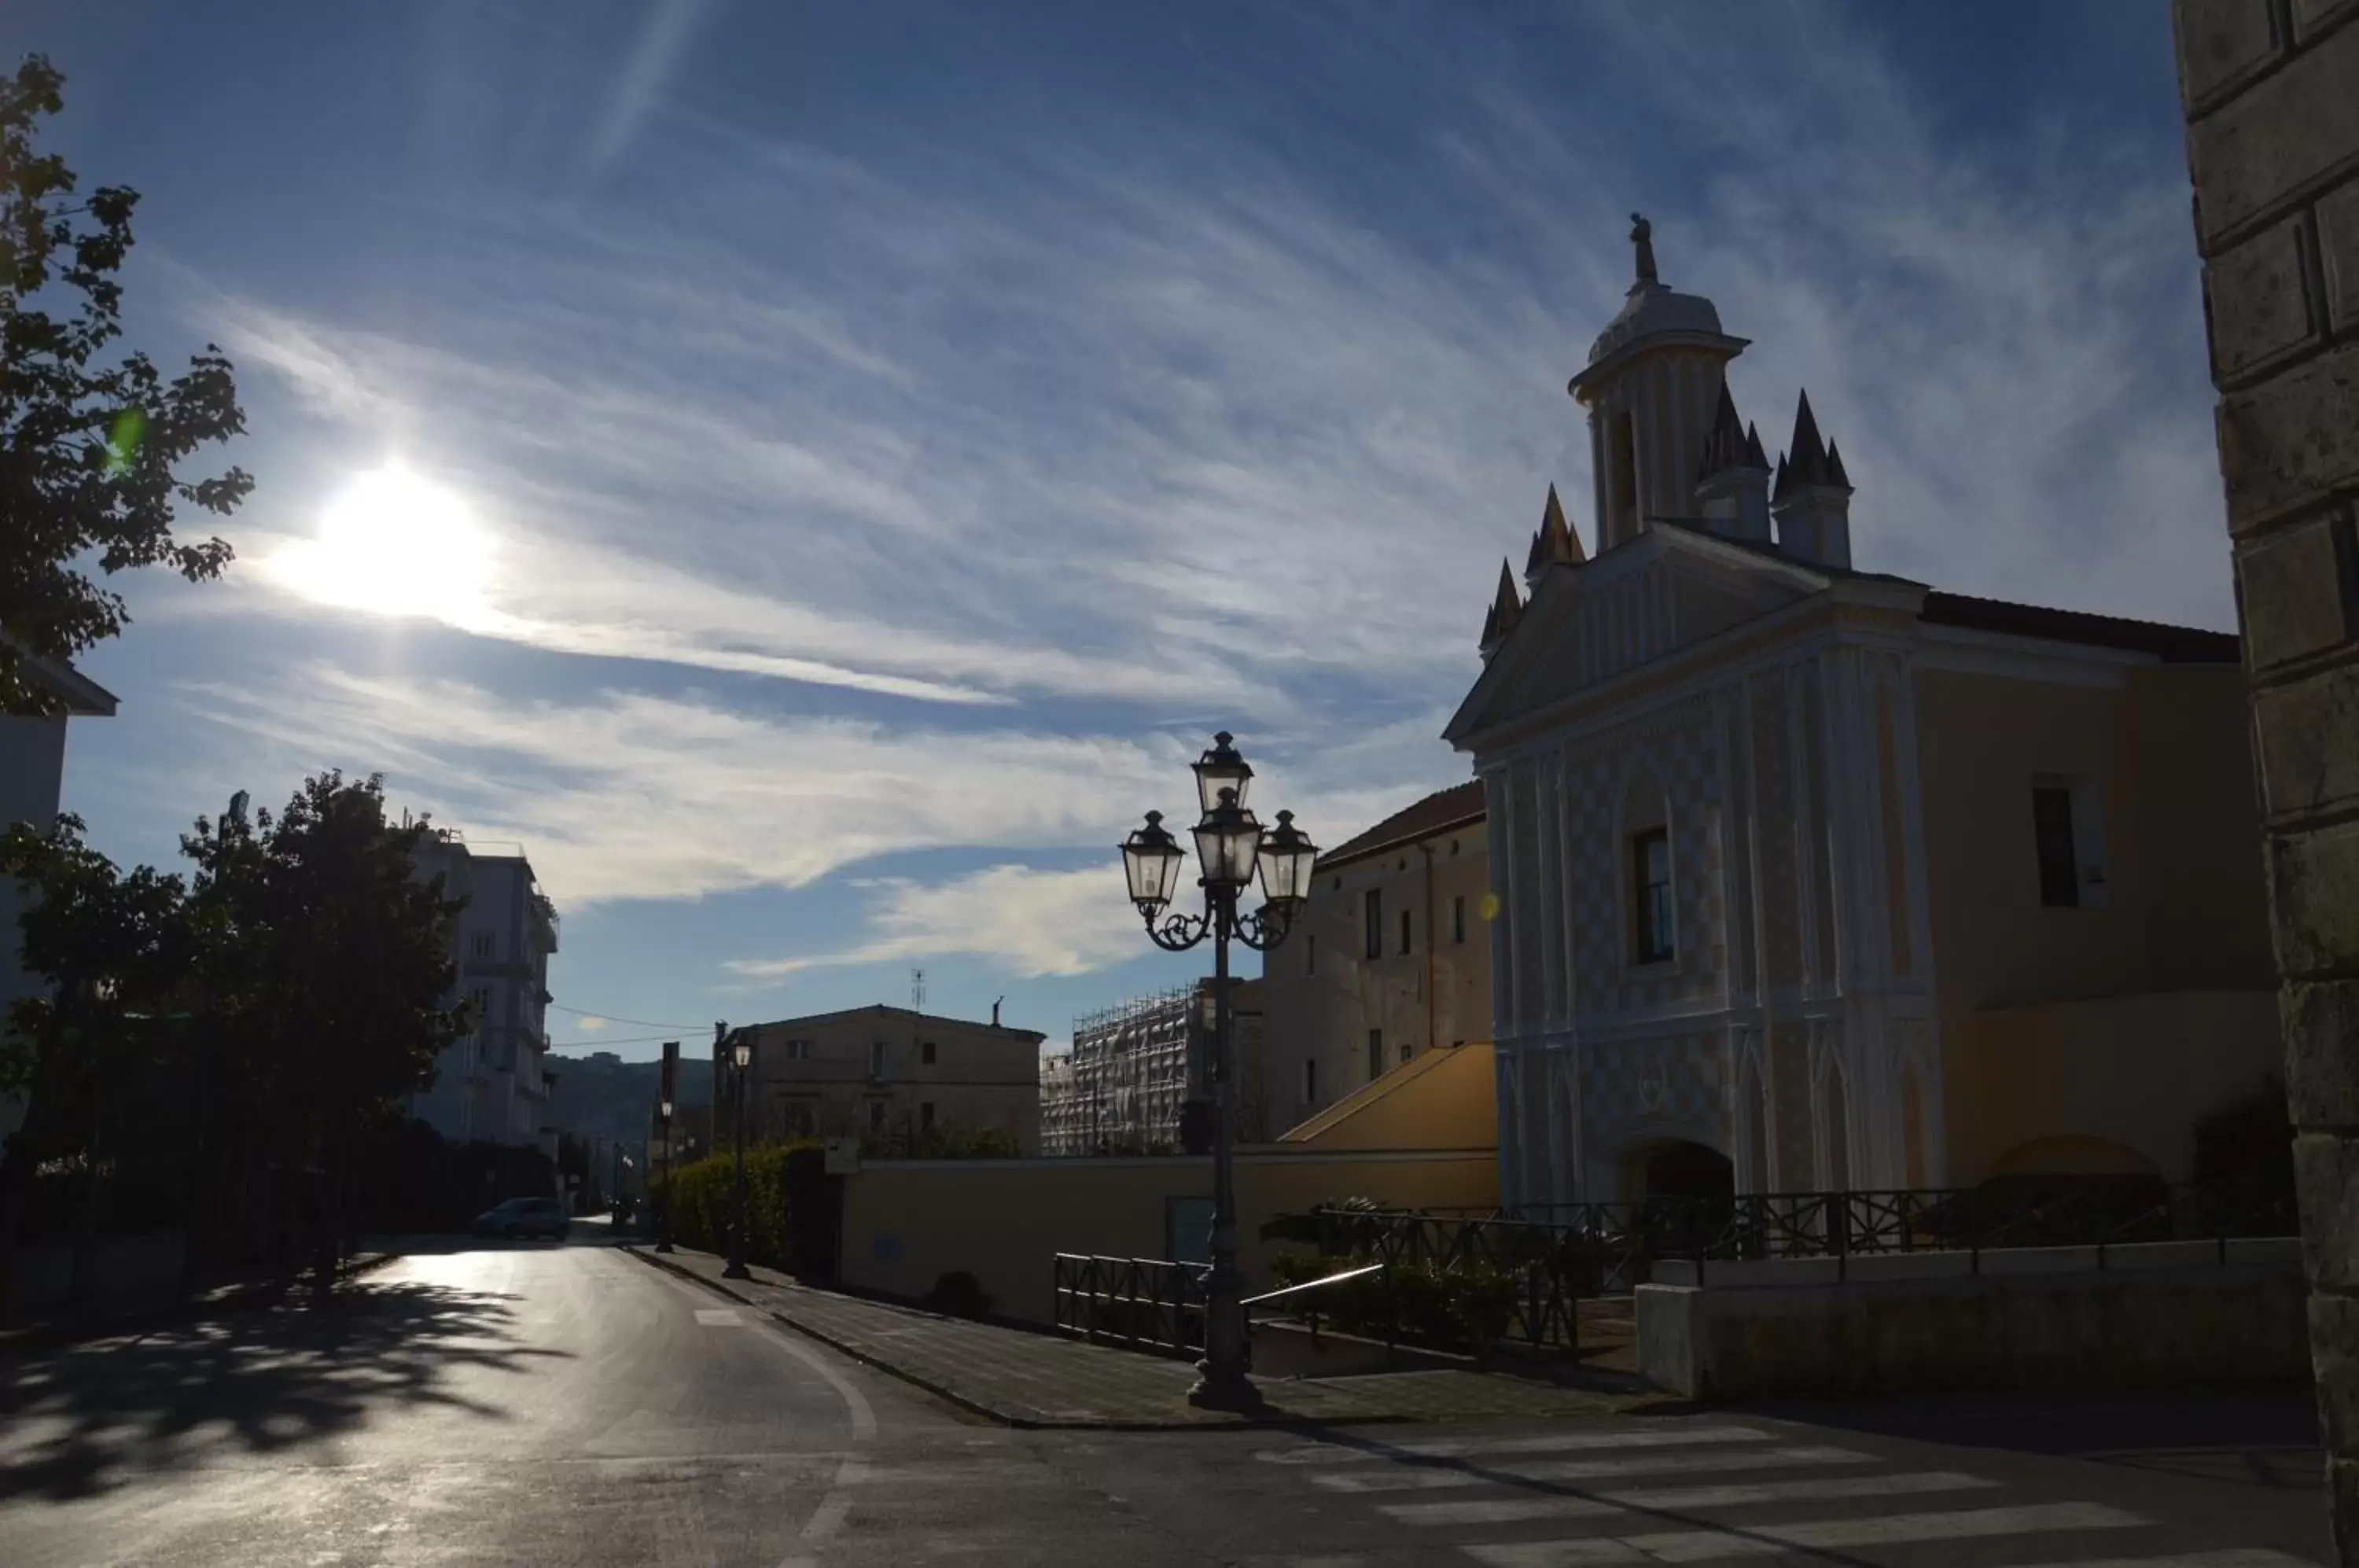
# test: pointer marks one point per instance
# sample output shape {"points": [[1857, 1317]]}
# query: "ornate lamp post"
{"points": [[663, 1209], [741, 1059], [1231, 846]]}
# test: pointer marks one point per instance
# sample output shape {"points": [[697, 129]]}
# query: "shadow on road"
{"points": [[79, 1421]]}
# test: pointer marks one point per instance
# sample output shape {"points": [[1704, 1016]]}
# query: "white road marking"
{"points": [[1510, 1511], [719, 1317], [1422, 1480], [1773, 1539], [2232, 1557], [1442, 1448]]}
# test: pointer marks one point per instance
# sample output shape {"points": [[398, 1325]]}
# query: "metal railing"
{"points": [[1141, 1304], [1471, 1281]]}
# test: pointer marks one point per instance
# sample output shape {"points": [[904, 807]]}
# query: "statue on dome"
{"points": [[1642, 234]]}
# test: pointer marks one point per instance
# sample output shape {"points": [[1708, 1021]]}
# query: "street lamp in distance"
{"points": [[741, 1061]]}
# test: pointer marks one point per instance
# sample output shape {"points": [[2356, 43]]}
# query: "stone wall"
{"points": [[2271, 93], [2019, 1331]]}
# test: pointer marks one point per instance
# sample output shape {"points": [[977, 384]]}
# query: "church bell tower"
{"points": [[1654, 382]]}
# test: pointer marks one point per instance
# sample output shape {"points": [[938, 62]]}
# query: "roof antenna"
{"points": [[916, 990], [994, 1011]]}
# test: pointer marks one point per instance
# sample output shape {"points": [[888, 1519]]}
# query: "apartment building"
{"points": [[887, 1073], [1389, 958], [494, 1085]]}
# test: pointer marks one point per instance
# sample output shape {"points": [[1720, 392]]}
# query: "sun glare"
{"points": [[393, 543]]}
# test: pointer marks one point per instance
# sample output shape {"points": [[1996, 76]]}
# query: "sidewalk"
{"points": [[1028, 1379]]}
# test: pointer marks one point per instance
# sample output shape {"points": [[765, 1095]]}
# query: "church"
{"points": [[1811, 877]]}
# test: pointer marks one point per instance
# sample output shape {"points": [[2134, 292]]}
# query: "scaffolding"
{"points": [[1131, 1068]]}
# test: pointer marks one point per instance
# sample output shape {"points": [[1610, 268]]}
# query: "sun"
{"points": [[394, 543]]}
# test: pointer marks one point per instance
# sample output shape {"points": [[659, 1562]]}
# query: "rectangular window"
{"points": [[1651, 876], [1405, 1051], [876, 1059], [1404, 947], [1376, 1054], [2051, 832], [1372, 917], [1458, 919], [1310, 1082], [875, 1115], [1310, 952], [483, 944], [798, 1051], [926, 1114], [926, 1053]]}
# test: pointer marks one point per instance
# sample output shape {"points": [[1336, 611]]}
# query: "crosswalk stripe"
{"points": [[1769, 1541], [1513, 1510], [1416, 1479], [2232, 1557], [1555, 1443]]}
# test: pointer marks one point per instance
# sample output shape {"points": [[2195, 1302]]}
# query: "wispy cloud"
{"points": [[627, 795], [1029, 922], [1091, 441]]}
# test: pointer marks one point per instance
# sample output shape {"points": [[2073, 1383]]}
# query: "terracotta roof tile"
{"points": [[1454, 807]]}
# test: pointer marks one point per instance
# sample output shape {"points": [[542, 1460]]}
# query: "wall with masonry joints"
{"points": [[2271, 93]]}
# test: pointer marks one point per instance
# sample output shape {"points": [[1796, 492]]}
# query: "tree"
{"points": [[89, 443], [117, 950], [326, 962]]}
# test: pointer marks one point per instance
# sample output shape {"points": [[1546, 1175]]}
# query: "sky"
{"points": [[812, 475]]}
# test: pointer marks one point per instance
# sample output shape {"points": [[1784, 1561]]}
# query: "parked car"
{"points": [[524, 1217]]}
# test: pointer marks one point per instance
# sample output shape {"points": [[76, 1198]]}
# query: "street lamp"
{"points": [[663, 1209], [1231, 848], [741, 1057]]}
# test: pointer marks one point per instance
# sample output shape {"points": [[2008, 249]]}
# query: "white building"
{"points": [[32, 781], [1817, 878], [1133, 1065], [494, 1085]]}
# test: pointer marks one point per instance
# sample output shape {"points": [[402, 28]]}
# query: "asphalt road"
{"points": [[542, 1405]]}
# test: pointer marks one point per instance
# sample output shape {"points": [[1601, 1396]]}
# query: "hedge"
{"points": [[704, 1200]]}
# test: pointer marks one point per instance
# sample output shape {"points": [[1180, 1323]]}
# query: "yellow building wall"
{"points": [[908, 1223], [1444, 1099], [2113, 1084], [2171, 974], [1321, 993]]}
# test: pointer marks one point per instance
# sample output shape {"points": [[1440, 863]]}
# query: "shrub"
{"points": [[703, 1201]]}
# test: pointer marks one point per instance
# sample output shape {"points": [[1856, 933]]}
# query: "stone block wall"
{"points": [[2271, 93]]}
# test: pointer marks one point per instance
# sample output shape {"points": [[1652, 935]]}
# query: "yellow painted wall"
{"points": [[2133, 1072], [908, 1223], [1444, 1099], [1322, 994], [2183, 910]]}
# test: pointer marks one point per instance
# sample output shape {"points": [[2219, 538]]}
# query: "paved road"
{"points": [[535, 1405]]}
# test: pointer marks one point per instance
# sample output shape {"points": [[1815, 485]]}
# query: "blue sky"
{"points": [[890, 438]]}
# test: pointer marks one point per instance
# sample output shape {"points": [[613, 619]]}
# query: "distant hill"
{"points": [[601, 1096]]}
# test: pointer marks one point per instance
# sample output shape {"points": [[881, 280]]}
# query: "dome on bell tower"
{"points": [[1654, 376]]}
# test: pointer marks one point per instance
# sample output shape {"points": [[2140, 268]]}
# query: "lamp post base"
{"points": [[1220, 1389], [737, 1271], [663, 1246]]}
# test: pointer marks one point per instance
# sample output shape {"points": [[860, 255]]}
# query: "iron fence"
{"points": [[1470, 1281], [1139, 1302]]}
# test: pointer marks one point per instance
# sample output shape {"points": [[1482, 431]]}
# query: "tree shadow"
{"points": [[81, 1419]]}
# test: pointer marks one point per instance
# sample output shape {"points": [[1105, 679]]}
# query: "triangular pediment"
{"points": [[1668, 589]]}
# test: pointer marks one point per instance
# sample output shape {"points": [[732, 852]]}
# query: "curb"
{"points": [[966, 1403]]}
